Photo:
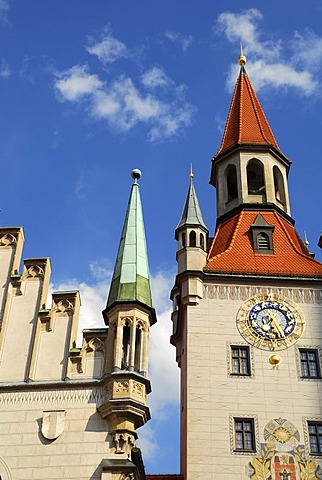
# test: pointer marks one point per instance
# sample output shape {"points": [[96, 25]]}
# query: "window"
{"points": [[279, 186], [315, 436], [309, 363], [263, 241], [240, 362], [231, 175], [244, 435], [192, 239], [255, 177]]}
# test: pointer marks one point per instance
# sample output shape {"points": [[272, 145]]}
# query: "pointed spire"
{"points": [[131, 281], [191, 214], [246, 123]]}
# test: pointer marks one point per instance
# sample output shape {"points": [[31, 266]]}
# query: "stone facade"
{"points": [[65, 412]]}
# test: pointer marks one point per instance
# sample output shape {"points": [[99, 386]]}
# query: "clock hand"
{"points": [[276, 324]]}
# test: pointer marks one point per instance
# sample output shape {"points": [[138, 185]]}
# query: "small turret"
{"points": [[191, 233], [129, 315]]}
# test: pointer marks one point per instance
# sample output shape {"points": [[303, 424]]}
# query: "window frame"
{"points": [[240, 373], [307, 362], [316, 425], [244, 420]]}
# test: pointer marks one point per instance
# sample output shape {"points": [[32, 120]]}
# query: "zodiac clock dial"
{"points": [[270, 322]]}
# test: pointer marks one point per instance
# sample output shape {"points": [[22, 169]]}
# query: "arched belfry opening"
{"points": [[279, 186], [255, 177], [192, 239], [231, 182]]}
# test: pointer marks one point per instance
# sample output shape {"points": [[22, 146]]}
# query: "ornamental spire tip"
{"points": [[241, 59]]}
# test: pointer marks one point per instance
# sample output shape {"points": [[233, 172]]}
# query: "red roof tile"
{"points": [[232, 249], [246, 122]]}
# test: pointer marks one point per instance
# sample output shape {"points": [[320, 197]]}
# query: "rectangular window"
{"points": [[240, 361], [315, 435], [309, 363], [244, 435]]}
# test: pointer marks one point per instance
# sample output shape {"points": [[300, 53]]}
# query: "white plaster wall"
{"points": [[17, 334], [76, 454], [52, 350]]}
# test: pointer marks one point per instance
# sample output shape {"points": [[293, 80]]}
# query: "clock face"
{"points": [[269, 322]]}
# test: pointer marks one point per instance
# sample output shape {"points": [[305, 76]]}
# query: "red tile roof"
{"points": [[246, 122], [232, 249]]}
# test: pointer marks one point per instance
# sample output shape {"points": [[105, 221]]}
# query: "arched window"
{"points": [[231, 179], [263, 241], [126, 346], [255, 177], [202, 241], [192, 239], [279, 185], [137, 360], [183, 240]]}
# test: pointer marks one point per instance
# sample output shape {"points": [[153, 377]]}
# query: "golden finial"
{"points": [[191, 175], [241, 59], [306, 242]]}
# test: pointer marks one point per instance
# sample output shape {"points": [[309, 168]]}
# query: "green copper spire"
{"points": [[131, 280], [191, 214]]}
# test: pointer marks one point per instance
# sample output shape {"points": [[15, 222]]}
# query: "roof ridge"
{"points": [[307, 257], [233, 237]]}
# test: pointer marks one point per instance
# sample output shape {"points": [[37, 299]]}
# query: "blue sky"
{"points": [[91, 90]]}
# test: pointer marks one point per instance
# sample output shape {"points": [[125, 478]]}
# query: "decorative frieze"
{"points": [[95, 395], [237, 292]]}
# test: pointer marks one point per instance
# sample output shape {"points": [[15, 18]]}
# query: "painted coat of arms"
{"points": [[282, 457]]}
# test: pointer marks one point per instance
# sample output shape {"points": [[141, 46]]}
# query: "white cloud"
{"points": [[76, 82], [108, 50], [5, 70], [184, 41], [123, 105], [4, 8], [155, 77], [307, 49], [274, 63]]}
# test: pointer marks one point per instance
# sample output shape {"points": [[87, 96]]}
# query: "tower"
{"points": [[247, 320], [69, 412]]}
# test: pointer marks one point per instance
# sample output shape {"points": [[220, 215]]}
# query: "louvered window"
{"points": [[263, 241]]}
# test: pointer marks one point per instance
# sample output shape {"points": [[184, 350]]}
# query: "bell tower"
{"points": [[249, 168], [247, 319]]}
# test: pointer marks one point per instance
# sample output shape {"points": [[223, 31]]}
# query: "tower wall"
{"points": [[215, 397]]}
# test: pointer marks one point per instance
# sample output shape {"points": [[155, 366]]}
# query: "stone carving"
{"points": [[64, 306], [121, 387], [234, 292], [8, 240], [129, 476], [33, 272], [137, 389], [123, 442], [53, 424], [94, 345]]}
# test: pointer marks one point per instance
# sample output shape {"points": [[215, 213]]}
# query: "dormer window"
{"points": [[262, 235]]}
